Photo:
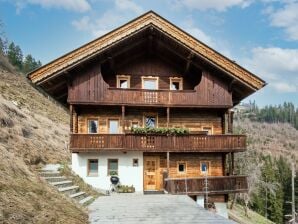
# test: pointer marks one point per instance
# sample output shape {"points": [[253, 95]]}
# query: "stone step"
{"points": [[61, 184], [69, 190], [49, 174], [78, 196], [55, 179], [86, 200]]}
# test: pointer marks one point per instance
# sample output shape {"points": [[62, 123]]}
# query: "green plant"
{"points": [[126, 189], [163, 131]]}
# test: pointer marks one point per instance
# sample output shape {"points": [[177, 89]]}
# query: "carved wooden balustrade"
{"points": [[157, 143], [184, 98], [211, 185]]}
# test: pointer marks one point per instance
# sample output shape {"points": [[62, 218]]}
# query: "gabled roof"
{"points": [[150, 18]]}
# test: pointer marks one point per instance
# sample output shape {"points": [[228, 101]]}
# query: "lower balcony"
{"points": [[210, 185], [157, 143]]}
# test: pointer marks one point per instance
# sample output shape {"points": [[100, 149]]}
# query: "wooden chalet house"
{"points": [[150, 73]]}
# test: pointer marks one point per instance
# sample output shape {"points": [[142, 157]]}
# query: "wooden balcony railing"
{"points": [[215, 185], [157, 143], [184, 98]]}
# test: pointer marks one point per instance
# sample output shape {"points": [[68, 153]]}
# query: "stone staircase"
{"points": [[65, 186]]}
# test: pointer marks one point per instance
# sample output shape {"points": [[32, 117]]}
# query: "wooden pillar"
{"points": [[225, 123], [168, 163], [123, 118], [224, 164], [168, 116], [75, 119], [230, 164], [71, 118], [230, 121], [232, 158]]}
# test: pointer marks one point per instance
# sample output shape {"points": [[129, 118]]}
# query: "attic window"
{"points": [[123, 81], [176, 83]]}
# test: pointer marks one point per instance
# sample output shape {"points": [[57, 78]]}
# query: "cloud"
{"points": [[218, 5], [121, 12], [71, 5], [286, 18], [278, 66]]}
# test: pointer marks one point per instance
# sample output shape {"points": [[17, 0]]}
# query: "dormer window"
{"points": [[150, 82], [123, 81], [176, 83]]}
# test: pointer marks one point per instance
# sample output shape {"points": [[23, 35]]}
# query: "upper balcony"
{"points": [[157, 143]]}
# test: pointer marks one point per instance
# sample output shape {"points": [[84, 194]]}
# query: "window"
{"points": [[112, 167], [92, 167], [176, 83], [92, 126], [113, 126], [181, 167], [135, 162], [135, 124], [150, 121], [209, 130], [204, 167], [123, 81], [150, 83]]}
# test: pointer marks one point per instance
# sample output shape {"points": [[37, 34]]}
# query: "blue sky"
{"points": [[260, 35]]}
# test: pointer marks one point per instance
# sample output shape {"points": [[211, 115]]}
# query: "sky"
{"points": [[260, 35]]}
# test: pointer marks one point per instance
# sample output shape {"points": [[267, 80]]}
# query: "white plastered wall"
{"points": [[128, 174]]}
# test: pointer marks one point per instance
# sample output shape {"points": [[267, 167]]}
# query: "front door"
{"points": [[151, 173]]}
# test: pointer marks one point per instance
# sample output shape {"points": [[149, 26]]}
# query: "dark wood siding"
{"points": [[89, 87]]}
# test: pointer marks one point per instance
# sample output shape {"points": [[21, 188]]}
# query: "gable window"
{"points": [[92, 167], [123, 81], [204, 167], [113, 126], [209, 130], [92, 126], [112, 167], [176, 84], [150, 121], [150, 83], [181, 167]]}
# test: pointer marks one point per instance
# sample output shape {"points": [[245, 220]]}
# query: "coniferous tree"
{"points": [[15, 55]]}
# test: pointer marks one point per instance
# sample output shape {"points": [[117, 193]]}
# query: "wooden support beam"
{"points": [[61, 96], [232, 158], [168, 116], [71, 118], [54, 87], [168, 164], [188, 62], [224, 164], [112, 64], [123, 118], [230, 88]]}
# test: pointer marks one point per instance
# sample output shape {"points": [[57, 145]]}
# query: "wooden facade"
{"points": [[149, 67]]}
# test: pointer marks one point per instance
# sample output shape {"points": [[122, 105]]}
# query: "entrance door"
{"points": [[150, 173]]}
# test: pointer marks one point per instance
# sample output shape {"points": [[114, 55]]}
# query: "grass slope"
{"points": [[237, 214], [33, 131]]}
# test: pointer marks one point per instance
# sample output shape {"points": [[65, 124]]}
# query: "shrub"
{"points": [[164, 131]]}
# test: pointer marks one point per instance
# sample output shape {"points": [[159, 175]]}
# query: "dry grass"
{"points": [[33, 131], [274, 139]]}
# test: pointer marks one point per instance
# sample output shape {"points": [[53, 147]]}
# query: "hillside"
{"points": [[275, 139], [272, 147], [34, 131]]}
